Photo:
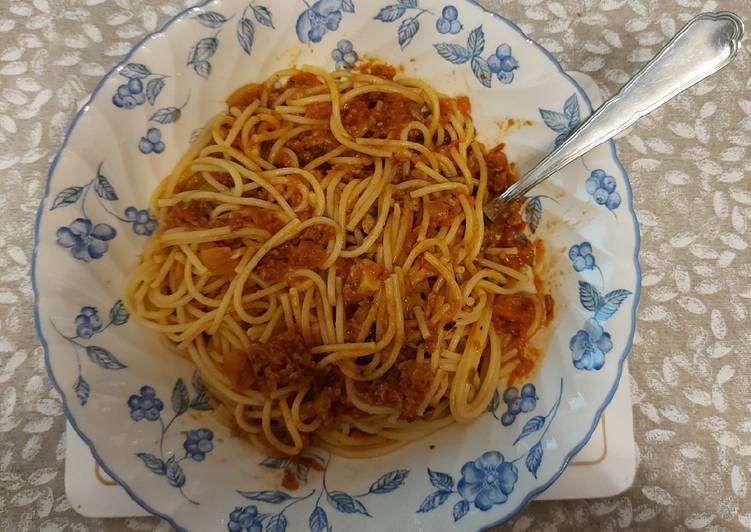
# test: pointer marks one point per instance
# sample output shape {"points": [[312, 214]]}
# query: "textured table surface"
{"points": [[689, 164]]}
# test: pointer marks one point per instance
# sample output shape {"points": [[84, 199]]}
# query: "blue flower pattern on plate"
{"points": [[410, 25], [143, 222], [581, 257], [448, 22], [88, 241], [320, 18], [563, 123], [198, 443], [146, 405], [245, 518], [516, 403], [141, 85], [501, 63], [590, 345], [88, 324], [151, 142], [344, 54], [490, 479], [601, 187]]}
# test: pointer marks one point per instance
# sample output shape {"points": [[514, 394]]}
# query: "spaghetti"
{"points": [[324, 262]]}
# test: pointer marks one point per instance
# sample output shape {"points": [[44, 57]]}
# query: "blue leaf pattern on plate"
{"points": [[180, 398], [534, 459], [246, 34], [273, 497], [103, 358], [211, 19], [119, 315], [277, 523], [460, 509], [407, 31], [154, 464], [442, 481], [175, 474], [611, 303], [533, 213], [103, 188], [563, 123], [433, 501], [410, 26], [68, 196], [481, 70], [554, 120], [135, 71], [318, 521], [203, 50], [589, 296], [530, 427], [166, 115], [339, 501], [571, 110], [345, 503], [82, 389], [263, 16], [202, 68], [389, 482], [454, 53], [476, 42], [153, 89], [391, 13]]}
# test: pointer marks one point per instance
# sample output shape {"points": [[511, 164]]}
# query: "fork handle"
{"points": [[703, 46]]}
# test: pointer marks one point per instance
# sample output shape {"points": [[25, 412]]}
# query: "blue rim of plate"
{"points": [[171, 520]]}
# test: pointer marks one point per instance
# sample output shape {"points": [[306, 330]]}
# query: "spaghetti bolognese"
{"points": [[323, 260]]}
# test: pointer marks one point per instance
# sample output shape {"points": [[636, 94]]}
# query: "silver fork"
{"points": [[703, 46]]}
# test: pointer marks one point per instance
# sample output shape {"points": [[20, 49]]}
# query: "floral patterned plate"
{"points": [[143, 411]]}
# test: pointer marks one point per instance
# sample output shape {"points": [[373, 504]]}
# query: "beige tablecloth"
{"points": [[689, 164]]}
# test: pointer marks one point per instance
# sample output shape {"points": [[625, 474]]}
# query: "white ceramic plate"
{"points": [[139, 407]]}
